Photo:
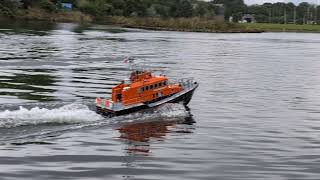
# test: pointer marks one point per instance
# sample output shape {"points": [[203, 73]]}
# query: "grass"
{"points": [[282, 27]]}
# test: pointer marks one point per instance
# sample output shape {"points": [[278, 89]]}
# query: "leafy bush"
{"points": [[47, 5], [96, 7], [9, 7]]}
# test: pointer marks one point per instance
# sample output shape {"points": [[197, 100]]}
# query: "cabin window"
{"points": [[142, 89], [156, 85], [160, 84], [165, 83], [147, 88], [151, 86], [119, 97]]}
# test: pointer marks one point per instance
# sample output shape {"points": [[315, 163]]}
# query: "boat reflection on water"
{"points": [[140, 135]]}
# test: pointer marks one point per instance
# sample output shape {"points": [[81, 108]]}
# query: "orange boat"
{"points": [[145, 90]]}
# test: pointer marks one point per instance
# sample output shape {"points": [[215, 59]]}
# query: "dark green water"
{"points": [[256, 114]]}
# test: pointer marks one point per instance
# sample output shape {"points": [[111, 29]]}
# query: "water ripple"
{"points": [[254, 116]]}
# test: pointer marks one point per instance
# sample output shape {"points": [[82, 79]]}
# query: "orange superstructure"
{"points": [[144, 87]]}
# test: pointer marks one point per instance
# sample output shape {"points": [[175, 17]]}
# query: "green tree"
{"points": [[201, 9], [302, 12], [27, 3], [234, 8], [47, 5], [162, 10], [181, 8], [135, 8], [98, 8], [9, 7], [185, 9]]}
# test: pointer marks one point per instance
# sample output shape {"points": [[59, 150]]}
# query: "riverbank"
{"points": [[282, 27], [179, 24]]}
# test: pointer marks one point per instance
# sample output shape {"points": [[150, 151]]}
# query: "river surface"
{"points": [[255, 115]]}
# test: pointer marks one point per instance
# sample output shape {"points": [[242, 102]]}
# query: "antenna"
{"points": [[130, 62]]}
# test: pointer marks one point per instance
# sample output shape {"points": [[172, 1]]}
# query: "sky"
{"points": [[273, 1]]}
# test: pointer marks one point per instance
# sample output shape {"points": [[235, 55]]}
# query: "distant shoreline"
{"points": [[194, 24], [269, 27]]}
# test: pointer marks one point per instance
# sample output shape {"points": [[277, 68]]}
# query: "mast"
{"points": [[285, 15], [308, 15], [295, 15]]}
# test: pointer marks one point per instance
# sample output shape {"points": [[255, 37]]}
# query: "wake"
{"points": [[68, 114], [82, 114]]}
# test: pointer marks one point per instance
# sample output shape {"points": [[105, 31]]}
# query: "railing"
{"points": [[187, 82]]}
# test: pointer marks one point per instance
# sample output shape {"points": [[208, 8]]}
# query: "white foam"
{"points": [[72, 113], [79, 113]]}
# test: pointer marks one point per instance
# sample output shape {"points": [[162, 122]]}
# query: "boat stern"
{"points": [[104, 106]]}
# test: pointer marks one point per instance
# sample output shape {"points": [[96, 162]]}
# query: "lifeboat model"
{"points": [[145, 90]]}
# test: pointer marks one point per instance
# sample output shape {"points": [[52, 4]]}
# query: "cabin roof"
{"points": [[150, 81]]}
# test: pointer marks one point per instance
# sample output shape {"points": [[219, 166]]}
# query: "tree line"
{"points": [[128, 8], [279, 12], [266, 13], [284, 13]]}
